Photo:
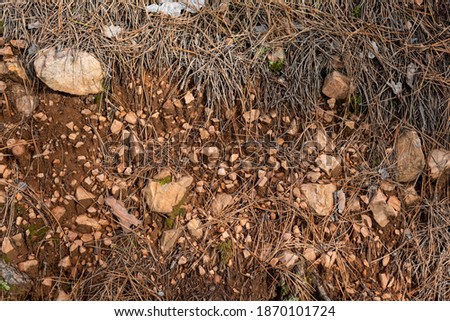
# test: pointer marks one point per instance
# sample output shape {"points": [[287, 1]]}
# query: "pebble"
{"points": [[131, 118], [84, 220], [116, 127], [58, 212], [182, 260], [234, 157], [28, 266], [188, 98], [7, 246], [251, 115], [383, 280], [309, 254], [204, 134], [2, 87], [201, 270], [194, 228]]}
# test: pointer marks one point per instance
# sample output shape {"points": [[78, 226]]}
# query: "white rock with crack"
{"points": [[71, 71]]}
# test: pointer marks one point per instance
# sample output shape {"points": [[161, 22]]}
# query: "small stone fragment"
{"points": [[58, 212], [87, 222], [383, 280], [288, 259], [162, 198], [182, 260], [168, 240], [6, 51], [211, 152], [201, 270], [319, 197], [337, 86], [438, 162], [409, 156], [382, 211], [47, 282], [411, 197], [313, 177], [395, 203], [131, 118], [251, 115], [194, 227], [329, 164], [84, 197], [26, 105], [65, 262], [7, 246], [328, 259], [188, 98], [116, 127], [309, 254], [62, 296], [221, 201], [29, 267]]}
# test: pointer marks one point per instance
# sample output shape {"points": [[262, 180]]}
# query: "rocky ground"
{"points": [[103, 198]]}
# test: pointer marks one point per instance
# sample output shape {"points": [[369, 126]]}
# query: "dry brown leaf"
{"points": [[119, 210]]}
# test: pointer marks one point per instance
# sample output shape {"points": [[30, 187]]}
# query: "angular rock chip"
{"points": [[337, 86], [381, 210], [168, 240], [319, 197], [438, 162], [409, 155], [162, 198]]}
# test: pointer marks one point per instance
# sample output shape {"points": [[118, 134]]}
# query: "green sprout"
{"points": [[165, 180], [177, 211], [357, 11], [4, 286], [225, 250]]}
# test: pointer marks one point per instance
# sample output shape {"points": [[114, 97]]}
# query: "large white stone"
{"points": [[71, 71]]}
